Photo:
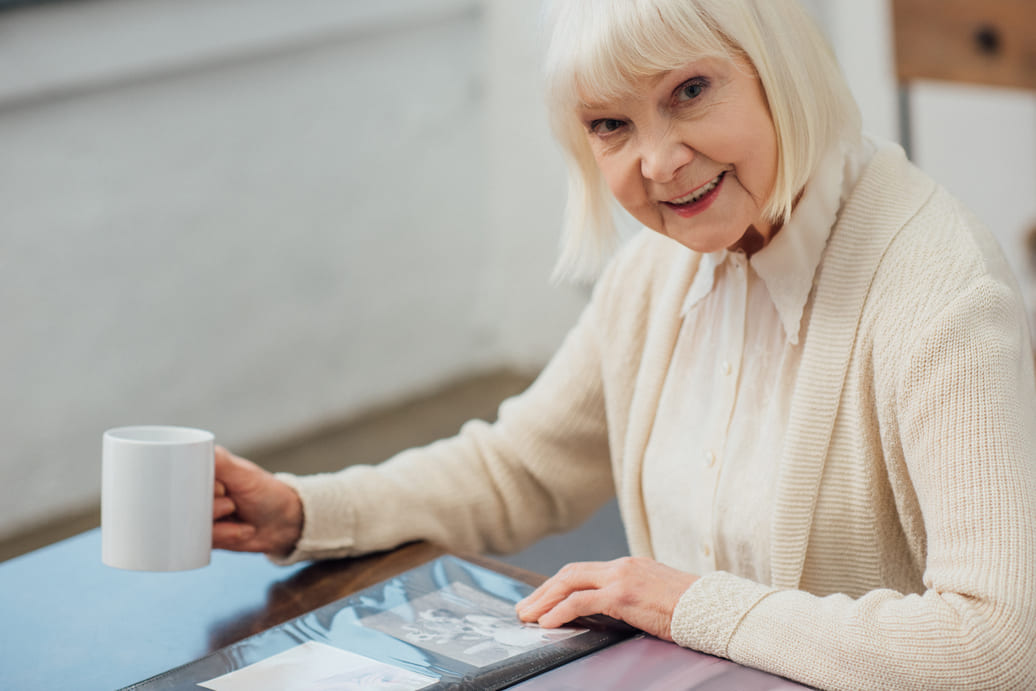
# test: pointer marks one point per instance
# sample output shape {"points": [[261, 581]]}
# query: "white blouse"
{"points": [[730, 385]]}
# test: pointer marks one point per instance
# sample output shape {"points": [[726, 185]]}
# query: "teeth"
{"points": [[700, 192]]}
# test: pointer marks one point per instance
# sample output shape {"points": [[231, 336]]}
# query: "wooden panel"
{"points": [[984, 42]]}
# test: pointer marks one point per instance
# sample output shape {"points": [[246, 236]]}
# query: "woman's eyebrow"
{"points": [[595, 106], [614, 101]]}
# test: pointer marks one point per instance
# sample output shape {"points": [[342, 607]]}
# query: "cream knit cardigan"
{"points": [[903, 545]]}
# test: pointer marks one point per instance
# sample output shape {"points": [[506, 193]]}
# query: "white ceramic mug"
{"points": [[156, 498]]}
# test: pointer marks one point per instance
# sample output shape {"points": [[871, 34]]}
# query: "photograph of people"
{"points": [[808, 379], [465, 624]]}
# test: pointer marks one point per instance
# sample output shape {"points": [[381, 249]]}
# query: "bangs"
{"points": [[610, 47]]}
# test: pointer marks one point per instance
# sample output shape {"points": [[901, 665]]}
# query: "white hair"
{"points": [[600, 49]]}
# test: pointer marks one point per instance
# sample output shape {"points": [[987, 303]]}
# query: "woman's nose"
{"points": [[661, 158]]}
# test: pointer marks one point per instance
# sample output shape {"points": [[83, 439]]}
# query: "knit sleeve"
{"points": [[966, 410], [542, 467]]}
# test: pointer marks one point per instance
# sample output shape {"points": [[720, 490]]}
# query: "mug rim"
{"points": [[158, 435]]}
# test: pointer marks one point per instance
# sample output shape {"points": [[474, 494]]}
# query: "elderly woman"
{"points": [[809, 380]]}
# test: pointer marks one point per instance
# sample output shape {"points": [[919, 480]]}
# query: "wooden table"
{"points": [[69, 622]]}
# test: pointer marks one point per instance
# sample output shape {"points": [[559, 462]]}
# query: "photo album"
{"points": [[448, 624]]}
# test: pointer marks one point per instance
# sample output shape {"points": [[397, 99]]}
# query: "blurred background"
{"points": [[324, 229]]}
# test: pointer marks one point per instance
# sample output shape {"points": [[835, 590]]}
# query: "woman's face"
{"points": [[691, 153]]}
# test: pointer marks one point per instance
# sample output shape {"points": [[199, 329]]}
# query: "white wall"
{"points": [[527, 180], [259, 217]]}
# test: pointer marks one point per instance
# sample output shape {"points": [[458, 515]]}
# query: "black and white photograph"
{"points": [[465, 624]]}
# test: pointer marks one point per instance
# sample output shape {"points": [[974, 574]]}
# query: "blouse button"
{"points": [[727, 368], [706, 549], [710, 459]]}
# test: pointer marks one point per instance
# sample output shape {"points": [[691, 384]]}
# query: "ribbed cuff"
{"points": [[329, 518], [710, 611]]}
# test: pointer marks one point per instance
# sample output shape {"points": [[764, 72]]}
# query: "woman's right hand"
{"points": [[252, 510]]}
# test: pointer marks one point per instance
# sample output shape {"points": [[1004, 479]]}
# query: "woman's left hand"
{"points": [[641, 592]]}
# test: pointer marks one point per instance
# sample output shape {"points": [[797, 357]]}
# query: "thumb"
{"points": [[232, 470]]}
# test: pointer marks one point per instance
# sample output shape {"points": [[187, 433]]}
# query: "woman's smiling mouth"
{"points": [[697, 200]]}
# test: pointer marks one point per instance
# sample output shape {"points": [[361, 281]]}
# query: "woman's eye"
{"points": [[605, 125], [691, 90]]}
